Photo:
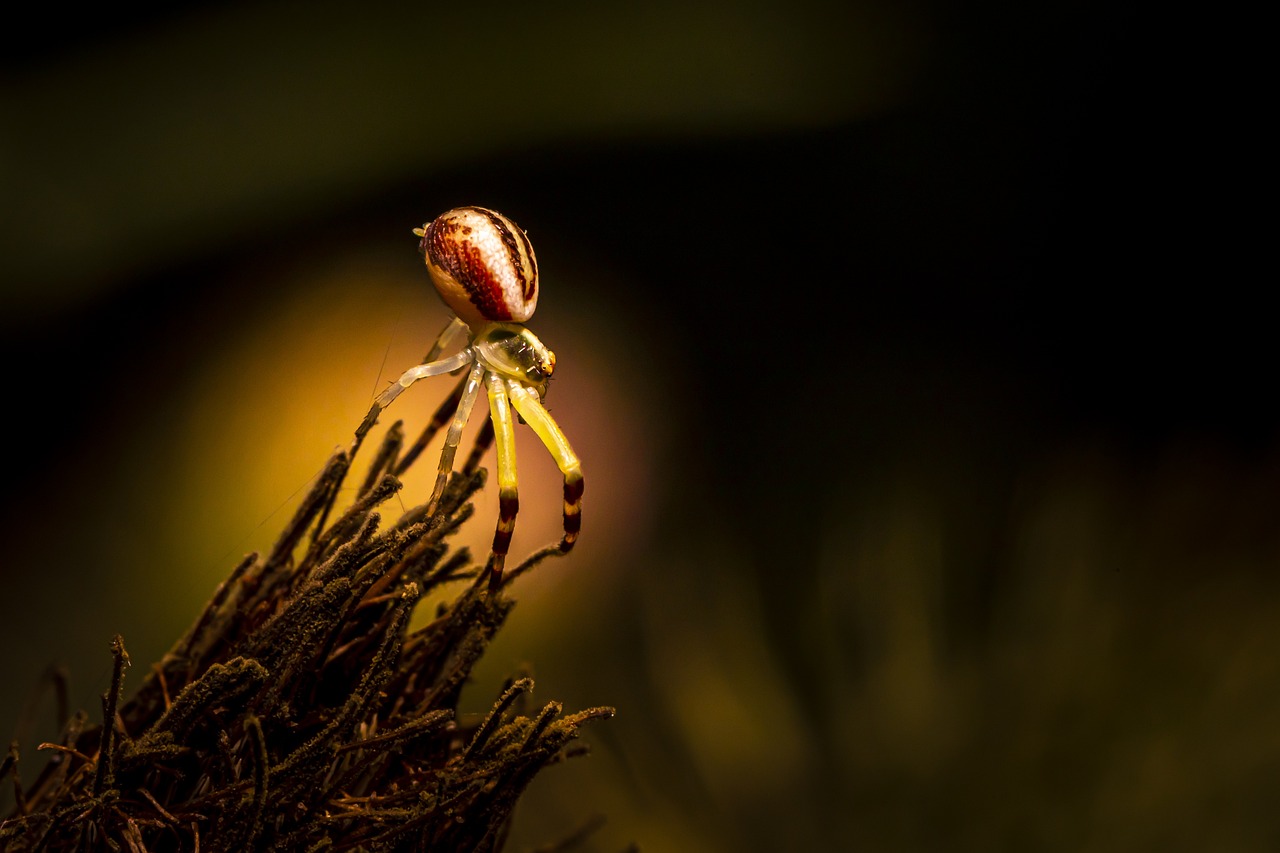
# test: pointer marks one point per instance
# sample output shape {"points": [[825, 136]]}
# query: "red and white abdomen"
{"points": [[482, 264]]}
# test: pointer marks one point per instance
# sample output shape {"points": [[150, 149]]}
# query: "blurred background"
{"points": [[910, 348]]}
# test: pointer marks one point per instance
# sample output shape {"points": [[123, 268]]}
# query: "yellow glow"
{"points": [[256, 425]]}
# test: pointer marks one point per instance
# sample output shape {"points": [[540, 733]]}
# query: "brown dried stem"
{"points": [[299, 712]]}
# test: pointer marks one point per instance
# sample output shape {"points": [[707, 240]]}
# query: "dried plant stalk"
{"points": [[300, 713]]}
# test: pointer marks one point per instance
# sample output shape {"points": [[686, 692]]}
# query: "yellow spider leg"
{"points": [[454, 437], [508, 499], [536, 416]]}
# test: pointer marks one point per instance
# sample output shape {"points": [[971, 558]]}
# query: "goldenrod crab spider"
{"points": [[484, 269]]}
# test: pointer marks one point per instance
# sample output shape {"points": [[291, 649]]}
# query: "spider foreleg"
{"points": [[410, 376], [508, 498], [526, 402], [441, 416], [422, 371]]}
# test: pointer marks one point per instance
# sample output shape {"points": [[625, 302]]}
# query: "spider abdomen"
{"points": [[482, 264]]}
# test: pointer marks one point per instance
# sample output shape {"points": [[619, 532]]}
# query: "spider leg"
{"points": [[441, 416], [438, 420], [422, 371], [537, 416], [447, 334], [410, 376], [508, 499], [470, 389]]}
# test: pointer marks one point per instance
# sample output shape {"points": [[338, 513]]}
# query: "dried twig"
{"points": [[299, 712]]}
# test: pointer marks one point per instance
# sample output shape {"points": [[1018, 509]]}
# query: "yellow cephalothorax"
{"points": [[483, 266]]}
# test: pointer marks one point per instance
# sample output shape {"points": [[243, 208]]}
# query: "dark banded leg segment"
{"points": [[573, 486], [508, 498], [526, 402]]}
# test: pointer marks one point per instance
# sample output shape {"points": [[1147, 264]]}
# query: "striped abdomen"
{"points": [[482, 264]]}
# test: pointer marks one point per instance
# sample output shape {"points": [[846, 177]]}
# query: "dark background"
{"points": [[914, 353]]}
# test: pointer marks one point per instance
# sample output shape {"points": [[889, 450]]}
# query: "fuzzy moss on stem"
{"points": [[299, 712]]}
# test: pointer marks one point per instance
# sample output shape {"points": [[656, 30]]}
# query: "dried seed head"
{"points": [[482, 264]]}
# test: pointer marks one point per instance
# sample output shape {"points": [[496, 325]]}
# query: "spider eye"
{"points": [[544, 365]]}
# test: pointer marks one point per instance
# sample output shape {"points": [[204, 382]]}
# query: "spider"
{"points": [[484, 269]]}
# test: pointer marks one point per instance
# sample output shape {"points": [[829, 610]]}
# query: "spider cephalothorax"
{"points": [[516, 353], [483, 266]]}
